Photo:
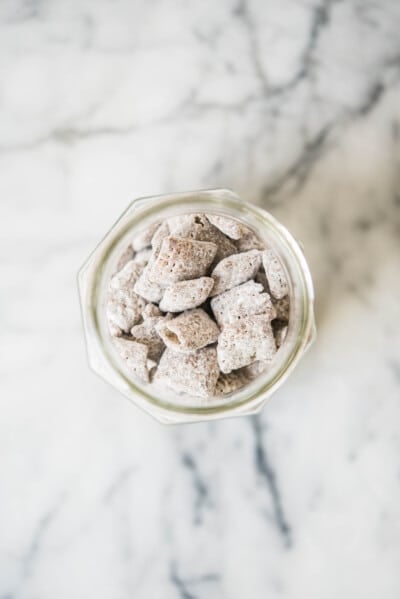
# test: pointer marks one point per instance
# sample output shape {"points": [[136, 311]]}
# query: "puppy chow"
{"points": [[228, 226], [198, 227], [143, 239], [198, 304], [235, 270], [240, 302], [193, 374], [148, 289], [242, 343], [135, 356], [181, 259], [186, 295], [275, 274], [188, 332]]}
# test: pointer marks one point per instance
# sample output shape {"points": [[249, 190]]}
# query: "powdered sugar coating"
{"points": [[194, 374], [228, 226], [186, 295], [181, 259], [143, 256], [151, 310], [243, 342], [249, 241], [160, 234], [146, 333], [144, 237], [188, 332], [114, 330], [252, 371], [275, 274], [151, 291], [123, 312], [198, 227], [240, 302], [125, 257], [135, 356], [125, 279], [235, 270], [124, 306]]}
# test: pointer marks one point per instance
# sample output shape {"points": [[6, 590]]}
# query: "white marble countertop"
{"points": [[295, 105]]}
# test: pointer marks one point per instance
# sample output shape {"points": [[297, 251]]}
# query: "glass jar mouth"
{"points": [[95, 274]]}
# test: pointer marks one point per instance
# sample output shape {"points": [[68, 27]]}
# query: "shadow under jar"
{"points": [[165, 404]]}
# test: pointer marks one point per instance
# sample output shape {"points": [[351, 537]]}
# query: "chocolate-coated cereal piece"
{"points": [[124, 306], [181, 259], [228, 226], [189, 331], [125, 257], [148, 289], [134, 355], [125, 279], [245, 341], [144, 237], [276, 277], [143, 256], [235, 270], [147, 334], [160, 234], [198, 227], [195, 374], [252, 371], [114, 330], [244, 300], [123, 311], [186, 295], [249, 241], [150, 310]]}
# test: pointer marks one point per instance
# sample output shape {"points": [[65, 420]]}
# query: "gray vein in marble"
{"points": [[313, 151], [190, 107], [320, 19], [299, 170], [28, 10], [268, 475], [242, 11], [372, 98], [178, 583], [70, 134], [122, 478], [29, 558], [201, 491], [182, 585]]}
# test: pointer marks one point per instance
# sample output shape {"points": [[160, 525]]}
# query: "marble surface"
{"points": [[295, 104]]}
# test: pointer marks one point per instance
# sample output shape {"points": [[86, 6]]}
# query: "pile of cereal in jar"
{"points": [[198, 304]]}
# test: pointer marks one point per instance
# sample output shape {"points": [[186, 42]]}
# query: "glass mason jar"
{"points": [[165, 405]]}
